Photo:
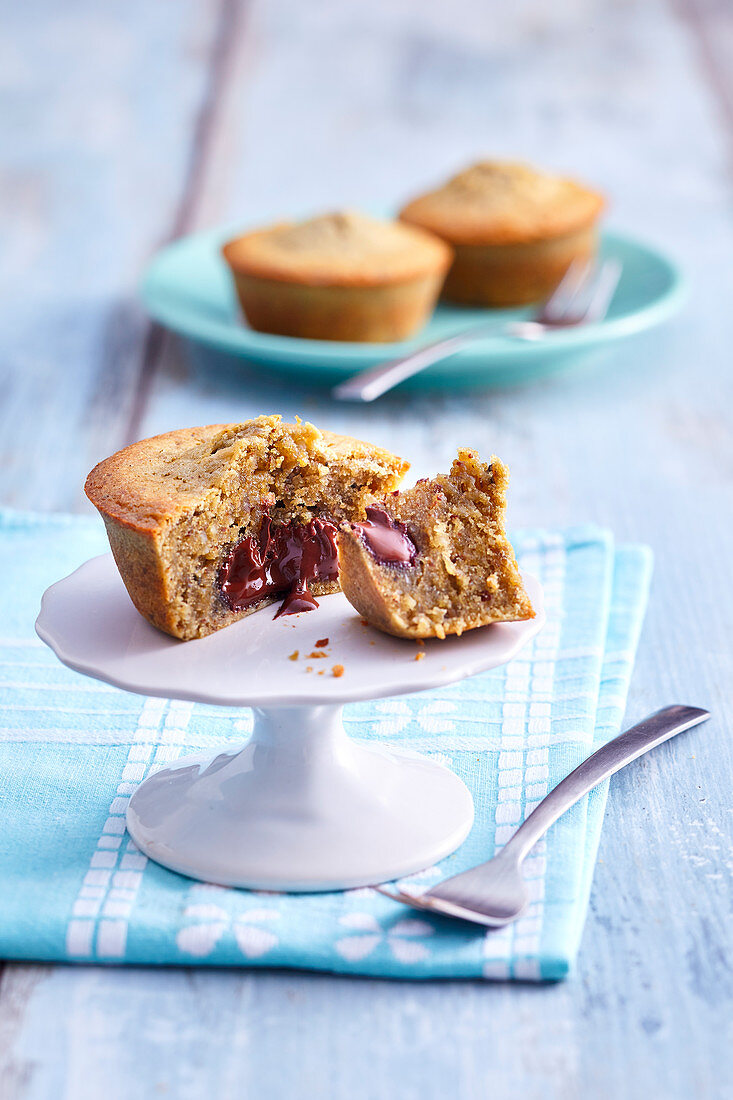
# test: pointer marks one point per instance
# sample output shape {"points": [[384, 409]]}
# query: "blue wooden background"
{"points": [[128, 123]]}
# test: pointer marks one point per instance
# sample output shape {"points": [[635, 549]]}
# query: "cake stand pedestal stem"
{"points": [[304, 743], [300, 807]]}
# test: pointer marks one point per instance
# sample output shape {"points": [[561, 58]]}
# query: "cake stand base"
{"points": [[301, 807]]}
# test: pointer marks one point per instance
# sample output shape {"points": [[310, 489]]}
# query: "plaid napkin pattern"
{"points": [[72, 750]]}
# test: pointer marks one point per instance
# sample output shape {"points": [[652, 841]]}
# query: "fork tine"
{"points": [[566, 292], [603, 292], [443, 907]]}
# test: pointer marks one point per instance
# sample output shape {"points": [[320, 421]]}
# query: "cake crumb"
{"points": [[322, 644], [364, 622], [320, 672], [294, 655], [338, 670], [317, 653], [419, 656], [309, 668]]}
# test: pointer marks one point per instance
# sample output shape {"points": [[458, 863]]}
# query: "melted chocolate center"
{"points": [[281, 560], [386, 539]]}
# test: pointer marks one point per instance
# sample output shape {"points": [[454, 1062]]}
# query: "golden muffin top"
{"points": [[342, 249], [148, 484], [502, 202]]}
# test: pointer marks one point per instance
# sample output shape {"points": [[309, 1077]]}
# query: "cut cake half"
{"points": [[435, 559], [209, 524]]}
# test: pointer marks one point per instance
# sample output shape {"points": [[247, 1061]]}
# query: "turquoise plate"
{"points": [[187, 287]]}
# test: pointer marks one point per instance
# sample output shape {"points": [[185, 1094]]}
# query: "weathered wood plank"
{"points": [[100, 153], [16, 987], [227, 30], [638, 444], [711, 26], [304, 107]]}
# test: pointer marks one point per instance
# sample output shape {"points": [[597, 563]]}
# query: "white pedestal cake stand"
{"points": [[300, 806]]}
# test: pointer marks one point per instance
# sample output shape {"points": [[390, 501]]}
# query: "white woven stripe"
{"points": [[481, 741], [118, 905], [108, 874], [76, 688], [527, 931], [525, 734], [43, 707], [497, 944]]}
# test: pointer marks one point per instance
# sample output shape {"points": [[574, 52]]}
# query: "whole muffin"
{"points": [[515, 231], [342, 276]]}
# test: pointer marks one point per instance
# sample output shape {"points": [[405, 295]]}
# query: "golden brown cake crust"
{"points": [[140, 486], [340, 250], [173, 505], [515, 274], [501, 202], [121, 487], [464, 573]]}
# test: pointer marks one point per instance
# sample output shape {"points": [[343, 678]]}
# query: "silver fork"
{"points": [[583, 296], [494, 893]]}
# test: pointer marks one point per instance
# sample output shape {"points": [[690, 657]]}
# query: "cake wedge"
{"points": [[435, 559]]}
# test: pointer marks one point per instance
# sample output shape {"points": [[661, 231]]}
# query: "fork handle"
{"points": [[610, 758], [369, 384]]}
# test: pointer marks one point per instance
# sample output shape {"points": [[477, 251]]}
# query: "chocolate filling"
{"points": [[280, 561], [386, 539]]}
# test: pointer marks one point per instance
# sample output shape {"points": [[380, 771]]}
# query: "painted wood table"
{"points": [[128, 124]]}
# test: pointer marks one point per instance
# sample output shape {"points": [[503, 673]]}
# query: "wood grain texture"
{"points": [[100, 120], [179, 116], [711, 26], [227, 29]]}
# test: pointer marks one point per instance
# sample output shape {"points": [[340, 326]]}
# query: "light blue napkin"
{"points": [[72, 750]]}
